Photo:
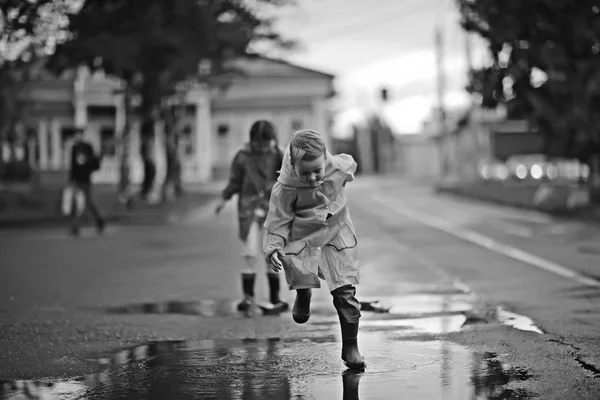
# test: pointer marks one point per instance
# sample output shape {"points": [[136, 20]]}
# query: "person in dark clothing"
{"points": [[147, 151], [84, 163], [253, 173]]}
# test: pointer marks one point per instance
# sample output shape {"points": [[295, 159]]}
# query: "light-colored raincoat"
{"points": [[312, 225]]}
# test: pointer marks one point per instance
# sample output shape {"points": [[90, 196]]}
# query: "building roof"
{"points": [[266, 67]]}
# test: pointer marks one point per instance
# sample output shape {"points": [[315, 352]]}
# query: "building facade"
{"points": [[215, 125]]}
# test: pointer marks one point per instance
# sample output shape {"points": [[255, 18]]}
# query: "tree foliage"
{"points": [[156, 44], [153, 46], [28, 28], [545, 66]]}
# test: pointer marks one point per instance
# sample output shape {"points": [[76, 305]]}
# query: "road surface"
{"points": [[462, 300]]}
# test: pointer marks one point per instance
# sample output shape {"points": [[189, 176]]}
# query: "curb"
{"points": [[587, 214]]}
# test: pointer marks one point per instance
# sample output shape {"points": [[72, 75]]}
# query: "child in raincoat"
{"points": [[253, 174], [309, 233]]}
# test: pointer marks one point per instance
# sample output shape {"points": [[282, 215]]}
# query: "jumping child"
{"points": [[309, 233]]}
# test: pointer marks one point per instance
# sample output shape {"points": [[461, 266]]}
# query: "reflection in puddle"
{"points": [[415, 326], [205, 308], [412, 305], [288, 369]]}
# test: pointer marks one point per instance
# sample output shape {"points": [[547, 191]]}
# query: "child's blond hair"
{"points": [[306, 145]]}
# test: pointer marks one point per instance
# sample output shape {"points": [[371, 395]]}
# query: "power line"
{"points": [[360, 23], [349, 8], [360, 29]]}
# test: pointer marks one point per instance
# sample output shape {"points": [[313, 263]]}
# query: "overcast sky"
{"points": [[371, 43]]}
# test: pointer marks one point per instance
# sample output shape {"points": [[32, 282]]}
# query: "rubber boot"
{"points": [[350, 353], [248, 289], [301, 309], [348, 309], [274, 288]]}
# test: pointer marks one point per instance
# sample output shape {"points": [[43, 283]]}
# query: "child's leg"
{"points": [[274, 289], [274, 282], [251, 260], [301, 309], [248, 279], [348, 309]]}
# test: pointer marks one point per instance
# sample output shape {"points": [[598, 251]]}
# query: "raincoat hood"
{"points": [[288, 177]]}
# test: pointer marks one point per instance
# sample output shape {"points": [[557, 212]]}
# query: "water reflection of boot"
{"points": [[350, 381]]}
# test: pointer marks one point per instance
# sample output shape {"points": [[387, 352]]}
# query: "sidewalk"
{"points": [[518, 197], [42, 209]]}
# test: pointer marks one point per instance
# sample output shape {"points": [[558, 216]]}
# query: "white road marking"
{"points": [[488, 243], [513, 229]]}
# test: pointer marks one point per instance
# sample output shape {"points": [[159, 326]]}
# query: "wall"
{"points": [[418, 157]]}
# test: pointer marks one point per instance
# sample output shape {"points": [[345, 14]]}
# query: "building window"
{"points": [[66, 135], [186, 141], [107, 141]]}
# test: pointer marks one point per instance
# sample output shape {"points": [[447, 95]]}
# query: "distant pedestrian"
{"points": [[149, 166], [309, 233], [84, 162], [253, 172]]}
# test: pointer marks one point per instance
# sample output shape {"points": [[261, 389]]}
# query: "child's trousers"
{"points": [[346, 304], [252, 250]]}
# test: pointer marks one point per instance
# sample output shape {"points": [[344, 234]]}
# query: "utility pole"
{"points": [[441, 92], [469, 57]]}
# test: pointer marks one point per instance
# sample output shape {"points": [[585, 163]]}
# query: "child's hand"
{"points": [[220, 207], [276, 262]]}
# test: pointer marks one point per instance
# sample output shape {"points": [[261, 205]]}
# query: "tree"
{"points": [[27, 30], [153, 46], [545, 67]]}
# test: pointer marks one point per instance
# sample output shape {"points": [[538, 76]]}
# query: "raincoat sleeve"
{"points": [[279, 219], [236, 178], [349, 167]]}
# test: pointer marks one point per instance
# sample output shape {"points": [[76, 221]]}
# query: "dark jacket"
{"points": [[83, 162], [252, 177]]}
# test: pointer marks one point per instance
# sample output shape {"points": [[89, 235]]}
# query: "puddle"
{"points": [[288, 369], [417, 304], [424, 326], [205, 308], [418, 326], [408, 306], [517, 321]]}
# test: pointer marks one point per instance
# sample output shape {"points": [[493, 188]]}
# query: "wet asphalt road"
{"points": [[147, 312]]}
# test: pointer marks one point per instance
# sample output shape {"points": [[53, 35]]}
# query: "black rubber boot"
{"points": [[248, 289], [348, 309], [301, 309], [350, 353], [274, 288]]}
